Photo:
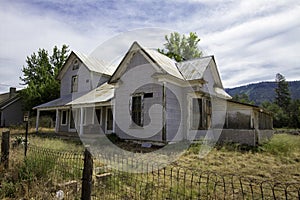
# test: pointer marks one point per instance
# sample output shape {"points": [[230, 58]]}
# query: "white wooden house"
{"points": [[150, 97], [81, 76]]}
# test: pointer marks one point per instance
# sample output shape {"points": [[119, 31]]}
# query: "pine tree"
{"points": [[283, 96], [40, 76]]}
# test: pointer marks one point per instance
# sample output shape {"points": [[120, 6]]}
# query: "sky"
{"points": [[251, 40]]}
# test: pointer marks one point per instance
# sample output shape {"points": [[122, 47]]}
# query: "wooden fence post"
{"points": [[5, 149], [87, 176]]}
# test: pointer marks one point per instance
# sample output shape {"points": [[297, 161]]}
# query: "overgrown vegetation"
{"points": [[40, 76], [41, 173]]}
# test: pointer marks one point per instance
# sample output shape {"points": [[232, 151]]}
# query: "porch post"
{"points": [[37, 121], [56, 121], [81, 121]]}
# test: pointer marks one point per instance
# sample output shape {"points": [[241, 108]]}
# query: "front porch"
{"points": [[96, 119]]}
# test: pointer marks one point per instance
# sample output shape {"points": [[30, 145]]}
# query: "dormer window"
{"points": [[75, 64]]}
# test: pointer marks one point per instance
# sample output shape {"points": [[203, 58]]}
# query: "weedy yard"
{"points": [[50, 163]]}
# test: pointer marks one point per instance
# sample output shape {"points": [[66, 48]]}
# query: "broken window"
{"points": [[136, 110], [201, 113]]}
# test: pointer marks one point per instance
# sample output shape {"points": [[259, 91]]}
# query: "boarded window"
{"points": [[74, 84], [64, 117], [136, 110]]}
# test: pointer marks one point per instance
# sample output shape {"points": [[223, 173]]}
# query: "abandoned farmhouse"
{"points": [[150, 97]]}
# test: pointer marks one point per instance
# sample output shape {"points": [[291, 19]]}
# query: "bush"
{"points": [[282, 144]]}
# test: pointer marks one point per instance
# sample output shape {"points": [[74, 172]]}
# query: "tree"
{"points": [[181, 47], [280, 118], [294, 121], [243, 98], [40, 76], [283, 96]]}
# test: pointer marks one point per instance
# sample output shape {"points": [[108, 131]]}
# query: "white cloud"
{"points": [[252, 40]]}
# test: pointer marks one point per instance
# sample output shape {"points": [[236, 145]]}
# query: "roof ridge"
{"points": [[193, 59]]}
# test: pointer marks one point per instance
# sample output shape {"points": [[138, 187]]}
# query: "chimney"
{"points": [[12, 92]]}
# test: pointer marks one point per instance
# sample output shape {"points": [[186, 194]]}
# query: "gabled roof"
{"points": [[186, 70], [194, 69], [9, 101], [167, 64], [91, 63], [8, 98], [164, 63]]}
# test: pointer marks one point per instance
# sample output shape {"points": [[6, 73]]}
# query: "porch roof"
{"points": [[103, 93], [60, 102]]}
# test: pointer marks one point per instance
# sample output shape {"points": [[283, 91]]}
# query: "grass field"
{"points": [[277, 160]]}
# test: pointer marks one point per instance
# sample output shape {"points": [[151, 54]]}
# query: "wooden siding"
{"points": [[174, 113], [86, 80], [137, 79]]}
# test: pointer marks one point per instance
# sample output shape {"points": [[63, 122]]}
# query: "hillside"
{"points": [[264, 91]]}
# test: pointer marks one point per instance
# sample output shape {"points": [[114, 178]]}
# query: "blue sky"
{"points": [[251, 40]]}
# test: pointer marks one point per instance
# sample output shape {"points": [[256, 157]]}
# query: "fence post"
{"points": [[5, 148], [87, 176]]}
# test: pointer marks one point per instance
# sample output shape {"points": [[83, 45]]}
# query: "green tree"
{"points": [[280, 118], [283, 96], [243, 98], [40, 76], [181, 47], [294, 121]]}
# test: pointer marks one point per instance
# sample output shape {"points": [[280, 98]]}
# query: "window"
{"points": [[148, 95], [97, 119], [196, 113], [136, 110], [201, 113], [75, 64], [64, 117], [74, 84], [72, 119]]}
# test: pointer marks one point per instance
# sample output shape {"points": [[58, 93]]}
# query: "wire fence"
{"points": [[172, 182], [54, 170], [48, 171]]}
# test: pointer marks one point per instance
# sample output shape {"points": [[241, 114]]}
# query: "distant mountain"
{"points": [[264, 91]]}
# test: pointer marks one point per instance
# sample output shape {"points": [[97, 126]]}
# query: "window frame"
{"points": [[75, 64], [96, 120], [62, 117], [205, 113], [133, 110], [74, 84]]}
